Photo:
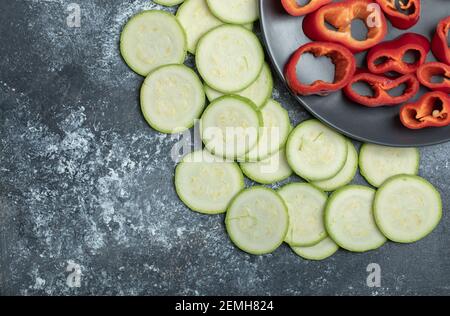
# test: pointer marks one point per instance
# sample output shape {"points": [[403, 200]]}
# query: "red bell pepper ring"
{"points": [[295, 9], [391, 54], [439, 44], [429, 70], [381, 86], [341, 57], [432, 110], [340, 15], [401, 20]]}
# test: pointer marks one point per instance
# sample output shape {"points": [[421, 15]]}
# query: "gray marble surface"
{"points": [[85, 183]]}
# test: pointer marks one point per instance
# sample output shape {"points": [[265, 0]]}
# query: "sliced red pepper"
{"points": [[381, 86], [295, 9], [401, 20], [432, 110], [341, 57], [391, 54], [340, 15], [439, 44], [429, 70]]}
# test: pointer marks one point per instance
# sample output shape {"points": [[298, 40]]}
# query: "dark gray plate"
{"points": [[283, 34]]}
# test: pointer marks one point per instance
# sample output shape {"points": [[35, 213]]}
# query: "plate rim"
{"points": [[311, 111]]}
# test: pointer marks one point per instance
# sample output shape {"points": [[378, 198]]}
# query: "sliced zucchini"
{"points": [[316, 152], [271, 170], [345, 176], [151, 39], [235, 11], [197, 20], [230, 126], [323, 250], [407, 208], [172, 98], [306, 205], [207, 184], [229, 58], [379, 163], [273, 134], [349, 219], [259, 91], [168, 3], [257, 220]]}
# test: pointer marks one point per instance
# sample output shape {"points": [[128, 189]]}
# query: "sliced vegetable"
{"points": [[427, 71], [379, 163], [152, 39], [403, 16], [316, 152], [323, 250], [345, 176], [341, 57], [197, 20], [439, 45], [257, 220], [168, 3], [381, 87], [235, 11], [172, 98], [259, 91], [273, 134], [389, 56], [229, 58], [340, 16], [207, 184], [271, 170], [295, 9], [230, 126], [349, 219], [431, 110], [306, 206], [407, 208]]}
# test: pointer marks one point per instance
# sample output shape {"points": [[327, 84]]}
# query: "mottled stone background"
{"points": [[84, 180]]}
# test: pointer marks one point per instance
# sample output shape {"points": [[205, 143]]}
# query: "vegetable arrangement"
{"points": [[328, 25], [238, 84]]}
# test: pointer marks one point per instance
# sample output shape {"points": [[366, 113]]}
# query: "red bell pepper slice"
{"points": [[439, 44], [340, 15], [381, 86], [295, 9], [401, 20], [341, 57], [427, 71], [391, 54], [432, 110]]}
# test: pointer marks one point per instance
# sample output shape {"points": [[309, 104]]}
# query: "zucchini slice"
{"points": [[323, 250], [271, 170], [235, 11], [197, 20], [257, 220], [379, 163], [230, 126], [345, 176], [229, 58], [259, 91], [315, 152], [407, 208], [152, 39], [349, 219], [306, 206], [273, 134], [168, 3], [207, 184], [172, 98]]}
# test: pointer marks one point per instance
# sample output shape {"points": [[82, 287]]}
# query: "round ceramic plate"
{"points": [[283, 34]]}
